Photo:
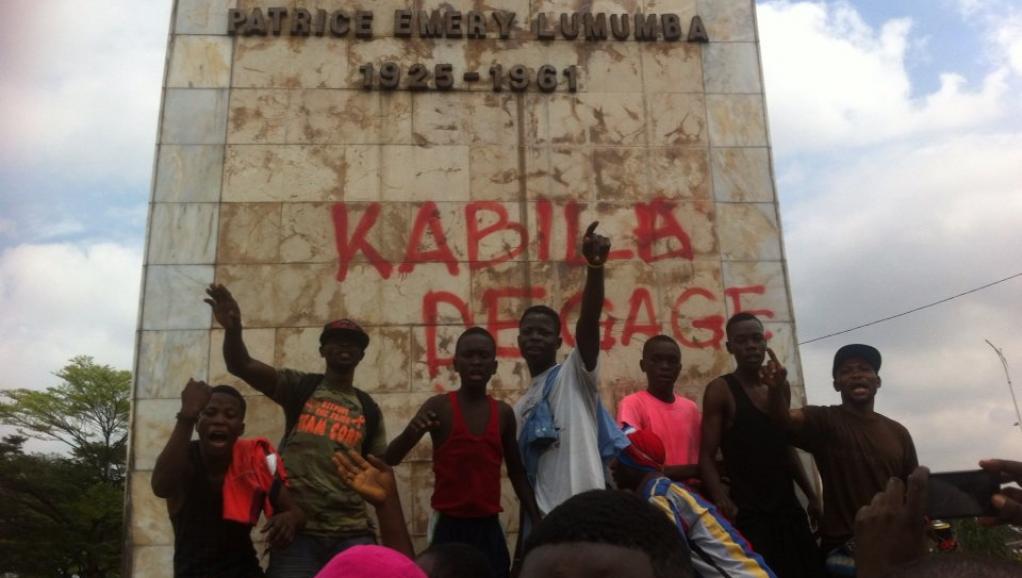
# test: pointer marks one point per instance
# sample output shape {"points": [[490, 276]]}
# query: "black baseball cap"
{"points": [[857, 350], [344, 328]]}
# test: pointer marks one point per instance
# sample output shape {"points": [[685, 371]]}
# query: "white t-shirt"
{"points": [[572, 465]]}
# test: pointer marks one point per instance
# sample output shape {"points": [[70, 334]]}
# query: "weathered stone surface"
{"points": [[183, 233], [736, 120], [748, 232], [249, 233], [200, 62], [202, 16], [758, 286], [677, 119], [267, 173], [742, 175], [189, 174], [194, 116], [167, 359], [732, 67], [172, 296]]}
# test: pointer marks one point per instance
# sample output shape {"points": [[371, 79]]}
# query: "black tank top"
{"points": [[757, 459], [206, 545]]}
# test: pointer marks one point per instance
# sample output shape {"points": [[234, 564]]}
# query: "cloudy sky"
{"points": [[897, 133]]}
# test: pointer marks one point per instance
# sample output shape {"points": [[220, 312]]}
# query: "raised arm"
{"points": [[260, 376], [173, 469], [595, 249], [374, 481], [425, 420], [715, 405], [775, 376]]}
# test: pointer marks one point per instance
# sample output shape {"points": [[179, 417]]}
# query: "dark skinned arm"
{"points": [[374, 481], [595, 249], [287, 521], [682, 473], [801, 476], [513, 460], [172, 469], [425, 420], [715, 404], [519, 480], [775, 376], [262, 377]]}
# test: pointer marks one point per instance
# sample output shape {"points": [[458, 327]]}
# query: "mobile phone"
{"points": [[961, 494]]}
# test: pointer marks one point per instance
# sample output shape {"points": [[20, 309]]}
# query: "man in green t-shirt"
{"points": [[324, 413]]}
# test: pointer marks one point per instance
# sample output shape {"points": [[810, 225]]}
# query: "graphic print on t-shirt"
{"points": [[326, 418]]}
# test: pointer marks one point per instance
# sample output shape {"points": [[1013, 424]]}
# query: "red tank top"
{"points": [[467, 467]]}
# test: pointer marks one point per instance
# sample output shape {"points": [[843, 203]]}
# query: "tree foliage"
{"points": [[88, 412], [61, 515]]}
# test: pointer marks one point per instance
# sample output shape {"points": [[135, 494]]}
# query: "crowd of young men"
{"points": [[737, 517]]}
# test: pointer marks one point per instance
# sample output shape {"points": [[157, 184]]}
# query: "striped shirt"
{"points": [[718, 549]]}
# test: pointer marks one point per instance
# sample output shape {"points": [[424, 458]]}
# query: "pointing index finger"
{"points": [[592, 228], [773, 356]]}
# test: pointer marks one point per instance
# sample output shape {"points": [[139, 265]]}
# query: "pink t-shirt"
{"points": [[676, 423]]}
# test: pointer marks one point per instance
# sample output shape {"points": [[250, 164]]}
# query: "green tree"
{"points": [[88, 412], [61, 515]]}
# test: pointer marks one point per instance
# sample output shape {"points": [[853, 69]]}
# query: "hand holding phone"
{"points": [[965, 494], [1007, 502]]}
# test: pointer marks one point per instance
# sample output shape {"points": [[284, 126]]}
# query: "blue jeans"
{"points": [[307, 554]]}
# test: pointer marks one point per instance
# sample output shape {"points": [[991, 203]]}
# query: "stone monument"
{"points": [[424, 165]]}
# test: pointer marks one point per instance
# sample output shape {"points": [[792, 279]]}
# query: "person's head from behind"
{"points": [[221, 422], [856, 373], [661, 362], [606, 533], [539, 336], [342, 345], [475, 357], [370, 561], [746, 340], [454, 561], [644, 456]]}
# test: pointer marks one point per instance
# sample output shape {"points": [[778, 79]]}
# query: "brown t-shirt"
{"points": [[856, 455]]}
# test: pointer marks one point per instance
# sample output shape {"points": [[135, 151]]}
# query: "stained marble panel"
{"points": [[189, 174], [182, 233], [194, 116], [167, 360], [200, 62], [173, 297]]}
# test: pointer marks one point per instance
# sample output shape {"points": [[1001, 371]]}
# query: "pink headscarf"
{"points": [[370, 562]]}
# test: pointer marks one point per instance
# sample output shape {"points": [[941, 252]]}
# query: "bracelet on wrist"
{"points": [[591, 266]]}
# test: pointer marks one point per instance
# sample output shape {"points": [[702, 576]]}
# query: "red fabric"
{"points": [[248, 481], [647, 449], [467, 467]]}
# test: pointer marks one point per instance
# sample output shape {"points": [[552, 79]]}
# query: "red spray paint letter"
{"points": [[348, 248], [476, 235], [428, 216]]}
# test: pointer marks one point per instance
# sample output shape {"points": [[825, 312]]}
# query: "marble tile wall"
{"points": [[418, 212]]}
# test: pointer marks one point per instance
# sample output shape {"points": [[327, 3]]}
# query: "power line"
{"points": [[910, 311]]}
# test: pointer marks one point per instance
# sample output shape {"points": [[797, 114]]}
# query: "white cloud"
{"points": [[62, 300], [835, 82], [891, 201], [1002, 24], [81, 86]]}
